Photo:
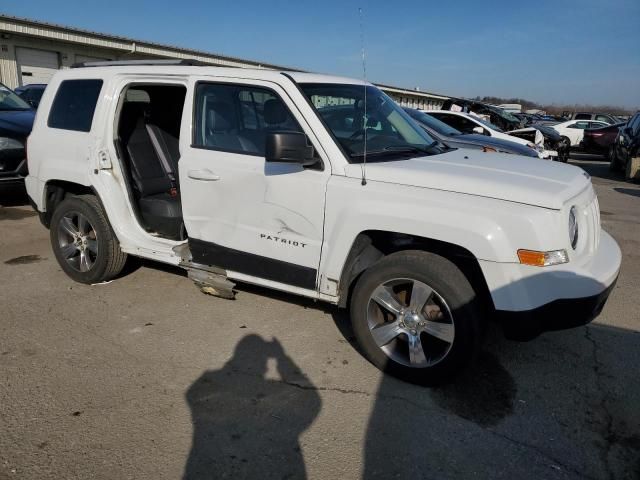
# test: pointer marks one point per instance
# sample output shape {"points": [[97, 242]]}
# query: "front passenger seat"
{"points": [[222, 132]]}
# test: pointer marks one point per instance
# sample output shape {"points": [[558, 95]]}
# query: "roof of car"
{"points": [[103, 71]]}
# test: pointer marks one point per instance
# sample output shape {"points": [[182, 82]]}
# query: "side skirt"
{"points": [[208, 253]]}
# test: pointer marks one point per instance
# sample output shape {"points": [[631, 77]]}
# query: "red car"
{"points": [[598, 140]]}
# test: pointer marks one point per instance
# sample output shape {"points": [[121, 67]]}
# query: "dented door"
{"points": [[252, 218]]}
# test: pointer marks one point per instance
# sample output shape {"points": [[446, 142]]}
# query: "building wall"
{"points": [[69, 43], [67, 55]]}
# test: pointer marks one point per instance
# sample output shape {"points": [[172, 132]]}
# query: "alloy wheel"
{"points": [[410, 322], [78, 242]]}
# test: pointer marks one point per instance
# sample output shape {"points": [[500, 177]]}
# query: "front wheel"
{"points": [[416, 316], [83, 242]]}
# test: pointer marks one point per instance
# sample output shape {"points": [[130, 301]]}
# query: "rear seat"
{"points": [[153, 158]]}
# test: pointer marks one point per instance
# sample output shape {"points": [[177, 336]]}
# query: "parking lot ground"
{"points": [[147, 378]]}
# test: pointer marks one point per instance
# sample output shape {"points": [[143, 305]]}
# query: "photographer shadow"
{"points": [[246, 425]]}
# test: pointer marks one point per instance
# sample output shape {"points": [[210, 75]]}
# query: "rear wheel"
{"points": [[415, 316], [83, 242]]}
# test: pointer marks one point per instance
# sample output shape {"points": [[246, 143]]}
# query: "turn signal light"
{"points": [[542, 259]]}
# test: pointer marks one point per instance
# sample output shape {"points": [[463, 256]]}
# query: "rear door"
{"points": [[262, 222]]}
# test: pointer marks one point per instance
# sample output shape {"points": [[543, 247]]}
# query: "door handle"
{"points": [[204, 175]]}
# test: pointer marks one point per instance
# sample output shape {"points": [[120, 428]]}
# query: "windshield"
{"points": [[386, 130], [487, 124], [11, 101], [432, 122]]}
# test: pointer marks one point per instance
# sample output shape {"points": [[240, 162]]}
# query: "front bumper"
{"points": [[530, 300], [557, 315]]}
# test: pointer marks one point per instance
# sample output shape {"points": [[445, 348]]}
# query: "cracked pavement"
{"points": [[147, 378]]}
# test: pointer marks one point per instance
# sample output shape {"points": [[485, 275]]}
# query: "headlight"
{"points": [[573, 228], [9, 143]]}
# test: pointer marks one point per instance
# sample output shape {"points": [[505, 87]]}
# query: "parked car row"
{"points": [[492, 120], [446, 134]]}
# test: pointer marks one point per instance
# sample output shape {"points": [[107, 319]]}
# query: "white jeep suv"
{"points": [[318, 186]]}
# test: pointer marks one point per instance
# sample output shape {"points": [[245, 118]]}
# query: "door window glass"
{"points": [[238, 118]]}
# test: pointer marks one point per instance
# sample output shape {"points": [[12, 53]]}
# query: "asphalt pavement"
{"points": [[145, 377]]}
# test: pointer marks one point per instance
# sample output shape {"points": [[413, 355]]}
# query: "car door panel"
{"points": [[253, 217]]}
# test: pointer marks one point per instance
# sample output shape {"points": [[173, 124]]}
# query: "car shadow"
{"points": [[246, 425], [508, 397], [634, 192]]}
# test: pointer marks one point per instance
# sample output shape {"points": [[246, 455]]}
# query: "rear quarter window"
{"points": [[74, 105]]}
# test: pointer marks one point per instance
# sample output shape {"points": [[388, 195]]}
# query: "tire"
{"points": [[613, 164], [83, 242], [452, 312]]}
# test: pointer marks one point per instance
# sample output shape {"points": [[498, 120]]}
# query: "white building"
{"points": [[31, 51]]}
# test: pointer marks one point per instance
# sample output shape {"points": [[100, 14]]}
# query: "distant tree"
{"points": [[556, 109]]}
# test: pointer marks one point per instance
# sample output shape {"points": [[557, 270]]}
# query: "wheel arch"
{"points": [[371, 245], [55, 191]]}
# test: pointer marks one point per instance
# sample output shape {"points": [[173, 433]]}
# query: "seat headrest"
{"points": [[132, 114], [135, 109], [275, 112], [220, 117]]}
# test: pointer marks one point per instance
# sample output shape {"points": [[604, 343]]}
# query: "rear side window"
{"points": [[74, 105]]}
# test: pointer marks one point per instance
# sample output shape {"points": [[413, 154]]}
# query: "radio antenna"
{"points": [[364, 116]]}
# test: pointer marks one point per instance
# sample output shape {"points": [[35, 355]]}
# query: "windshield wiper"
{"points": [[393, 149]]}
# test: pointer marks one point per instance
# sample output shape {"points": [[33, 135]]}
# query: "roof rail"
{"points": [[128, 63]]}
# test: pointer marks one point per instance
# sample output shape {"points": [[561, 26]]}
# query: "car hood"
{"points": [[16, 123], [492, 175], [497, 143]]}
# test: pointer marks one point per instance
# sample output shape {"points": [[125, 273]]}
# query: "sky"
{"points": [[548, 51]]}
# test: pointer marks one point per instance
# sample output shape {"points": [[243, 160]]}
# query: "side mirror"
{"points": [[289, 147], [478, 130]]}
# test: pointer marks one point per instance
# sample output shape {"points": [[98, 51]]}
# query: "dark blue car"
{"points": [[16, 121]]}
